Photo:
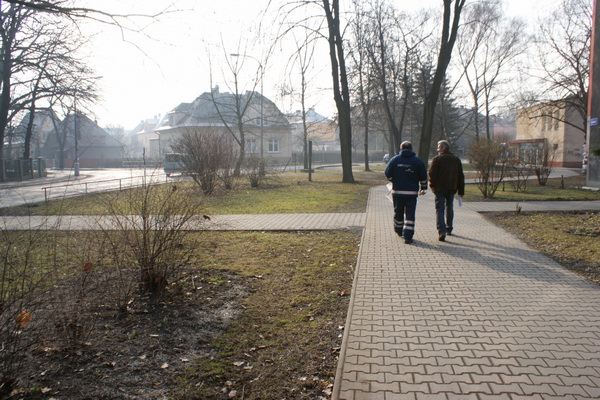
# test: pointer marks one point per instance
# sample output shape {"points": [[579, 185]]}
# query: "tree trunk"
{"points": [[449, 34], [5, 95], [29, 132], [341, 92], [366, 142]]}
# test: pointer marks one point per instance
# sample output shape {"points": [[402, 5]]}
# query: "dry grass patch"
{"points": [[570, 238], [254, 313], [556, 189]]}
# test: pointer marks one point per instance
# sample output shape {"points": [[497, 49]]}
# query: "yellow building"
{"points": [[558, 126]]}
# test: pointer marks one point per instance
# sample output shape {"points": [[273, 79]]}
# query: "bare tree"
{"points": [[62, 78], [331, 11], [41, 62], [383, 57], [488, 43], [233, 110], [361, 74], [341, 92], [65, 9], [304, 60], [40, 46], [564, 43], [451, 19], [12, 23]]}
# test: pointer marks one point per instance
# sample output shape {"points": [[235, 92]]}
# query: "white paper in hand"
{"points": [[389, 193]]}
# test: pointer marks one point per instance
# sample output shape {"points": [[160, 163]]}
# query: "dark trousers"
{"points": [[405, 208], [444, 209]]}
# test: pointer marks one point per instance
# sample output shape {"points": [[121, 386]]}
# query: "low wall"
{"points": [[22, 169]]}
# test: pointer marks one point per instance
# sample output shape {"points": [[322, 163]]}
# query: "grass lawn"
{"points": [[556, 189], [284, 193], [570, 238]]}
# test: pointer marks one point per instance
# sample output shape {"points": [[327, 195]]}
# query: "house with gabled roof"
{"points": [[319, 129], [77, 135], [144, 139], [264, 125], [41, 126]]}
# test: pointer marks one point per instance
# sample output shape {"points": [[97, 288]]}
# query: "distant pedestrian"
{"points": [[446, 178], [408, 175]]}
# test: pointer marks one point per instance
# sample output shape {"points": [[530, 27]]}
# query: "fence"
{"points": [[21, 169], [72, 189]]}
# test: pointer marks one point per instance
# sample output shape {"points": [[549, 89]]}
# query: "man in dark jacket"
{"points": [[408, 175], [446, 178]]}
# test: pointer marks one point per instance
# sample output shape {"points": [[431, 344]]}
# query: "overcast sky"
{"points": [[145, 76]]}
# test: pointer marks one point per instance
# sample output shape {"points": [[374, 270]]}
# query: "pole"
{"points": [[76, 165], [262, 124], [310, 160], [593, 130]]}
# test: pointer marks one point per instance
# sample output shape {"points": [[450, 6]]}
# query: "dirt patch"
{"points": [[138, 354]]}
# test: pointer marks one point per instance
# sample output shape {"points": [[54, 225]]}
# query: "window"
{"points": [[543, 122], [556, 119], [251, 146], [273, 146]]}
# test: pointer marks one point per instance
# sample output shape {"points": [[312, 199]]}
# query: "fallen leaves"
{"points": [[23, 318]]}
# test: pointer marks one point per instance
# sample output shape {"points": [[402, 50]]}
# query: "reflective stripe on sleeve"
{"points": [[405, 192]]}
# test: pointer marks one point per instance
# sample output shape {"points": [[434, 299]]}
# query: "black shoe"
{"points": [[442, 237], [449, 233], [408, 241]]}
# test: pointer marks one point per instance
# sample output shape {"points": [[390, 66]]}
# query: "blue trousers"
{"points": [[444, 209], [405, 208]]}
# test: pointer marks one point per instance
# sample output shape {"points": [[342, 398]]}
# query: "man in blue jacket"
{"points": [[408, 175]]}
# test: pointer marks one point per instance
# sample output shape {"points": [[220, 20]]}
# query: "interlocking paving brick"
{"points": [[481, 315]]}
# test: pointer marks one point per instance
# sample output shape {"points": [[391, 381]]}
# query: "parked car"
{"points": [[174, 163]]}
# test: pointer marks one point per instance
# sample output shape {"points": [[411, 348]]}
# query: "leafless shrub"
{"points": [[255, 170], [120, 277], [210, 156], [490, 159], [542, 162], [517, 175], [23, 285], [150, 233], [227, 171], [72, 303]]}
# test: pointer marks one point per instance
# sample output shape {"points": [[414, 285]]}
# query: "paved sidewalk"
{"points": [[480, 316], [257, 222]]}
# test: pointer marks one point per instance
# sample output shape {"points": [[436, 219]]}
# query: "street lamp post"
{"points": [[262, 126], [76, 137]]}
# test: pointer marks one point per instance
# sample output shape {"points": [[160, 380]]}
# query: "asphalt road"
{"points": [[65, 184]]}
